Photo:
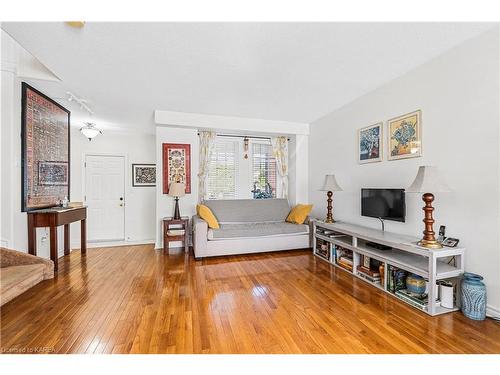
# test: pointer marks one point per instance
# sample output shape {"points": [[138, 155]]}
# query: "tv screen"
{"points": [[386, 204]]}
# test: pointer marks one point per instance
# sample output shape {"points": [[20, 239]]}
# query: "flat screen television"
{"points": [[386, 204]]}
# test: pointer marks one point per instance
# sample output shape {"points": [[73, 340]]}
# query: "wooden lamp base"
{"points": [[429, 240], [329, 214]]}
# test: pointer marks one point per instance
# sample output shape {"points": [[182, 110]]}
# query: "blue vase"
{"points": [[473, 296]]}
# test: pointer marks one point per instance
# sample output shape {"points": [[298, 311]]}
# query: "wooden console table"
{"points": [[52, 218]]}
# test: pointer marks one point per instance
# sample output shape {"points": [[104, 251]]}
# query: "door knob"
{"points": [[121, 198]]}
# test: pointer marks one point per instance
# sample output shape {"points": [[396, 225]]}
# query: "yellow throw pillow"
{"points": [[299, 213], [206, 214]]}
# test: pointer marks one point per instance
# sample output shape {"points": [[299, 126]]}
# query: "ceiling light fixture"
{"points": [[90, 131]]}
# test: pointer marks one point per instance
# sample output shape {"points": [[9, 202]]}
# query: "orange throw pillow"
{"points": [[299, 213]]}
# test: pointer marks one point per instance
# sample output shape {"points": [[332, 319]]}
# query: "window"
{"points": [[223, 170], [232, 176], [263, 171]]}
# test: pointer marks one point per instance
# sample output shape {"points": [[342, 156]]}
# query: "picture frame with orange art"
{"points": [[405, 136]]}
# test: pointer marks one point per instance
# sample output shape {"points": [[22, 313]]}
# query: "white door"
{"points": [[105, 197]]}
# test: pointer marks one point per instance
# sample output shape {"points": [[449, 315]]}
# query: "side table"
{"points": [[171, 224]]}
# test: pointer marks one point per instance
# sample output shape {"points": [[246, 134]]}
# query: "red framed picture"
{"points": [[176, 165], [45, 147]]}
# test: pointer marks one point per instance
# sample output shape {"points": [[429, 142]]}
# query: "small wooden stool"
{"points": [[181, 224]]}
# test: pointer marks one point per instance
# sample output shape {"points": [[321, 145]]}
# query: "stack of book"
{"points": [[368, 274], [323, 248], [344, 257], [416, 300], [175, 232]]}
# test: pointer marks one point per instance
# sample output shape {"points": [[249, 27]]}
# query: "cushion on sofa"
{"points": [[253, 230], [233, 211], [17, 279]]}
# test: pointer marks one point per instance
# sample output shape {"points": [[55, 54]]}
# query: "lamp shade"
{"points": [[428, 180], [330, 184], [90, 131], [177, 189]]}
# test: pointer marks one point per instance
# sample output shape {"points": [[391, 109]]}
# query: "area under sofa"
{"points": [[248, 226]]}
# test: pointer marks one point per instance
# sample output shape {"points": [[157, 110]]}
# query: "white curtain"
{"points": [[280, 152], [207, 141]]}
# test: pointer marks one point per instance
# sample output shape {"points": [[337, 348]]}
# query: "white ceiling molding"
{"points": [[235, 124], [19, 61]]}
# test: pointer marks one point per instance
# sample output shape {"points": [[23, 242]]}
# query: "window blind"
{"points": [[263, 171], [223, 170]]}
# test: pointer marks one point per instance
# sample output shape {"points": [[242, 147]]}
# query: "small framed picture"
{"points": [[143, 175], [366, 262], [405, 136], [450, 242], [370, 144]]}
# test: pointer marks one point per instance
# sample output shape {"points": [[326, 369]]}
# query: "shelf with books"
{"points": [[323, 249], [411, 262], [354, 253], [344, 257]]}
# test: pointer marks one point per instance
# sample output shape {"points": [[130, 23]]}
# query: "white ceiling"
{"points": [[277, 71]]}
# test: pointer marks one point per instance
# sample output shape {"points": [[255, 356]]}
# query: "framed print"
{"points": [[370, 144], [143, 174], [53, 173], [45, 148], [405, 136], [176, 165]]}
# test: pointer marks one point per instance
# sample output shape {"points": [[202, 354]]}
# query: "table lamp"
{"points": [[330, 186], [177, 190], [428, 180]]}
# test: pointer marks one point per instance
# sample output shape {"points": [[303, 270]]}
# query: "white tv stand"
{"points": [[404, 254]]}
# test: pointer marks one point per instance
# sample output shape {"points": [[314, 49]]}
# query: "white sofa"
{"points": [[248, 226]]}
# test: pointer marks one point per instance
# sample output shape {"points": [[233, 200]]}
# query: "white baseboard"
{"points": [[493, 312], [4, 243], [76, 245]]}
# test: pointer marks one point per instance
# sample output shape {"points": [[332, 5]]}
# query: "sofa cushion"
{"points": [[231, 211], [253, 230], [17, 279]]}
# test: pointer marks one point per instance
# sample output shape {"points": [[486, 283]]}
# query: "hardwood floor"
{"points": [[136, 299]]}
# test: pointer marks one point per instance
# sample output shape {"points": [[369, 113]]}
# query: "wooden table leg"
{"points": [[31, 235], [53, 246], [67, 249], [83, 236], [186, 237], [165, 239]]}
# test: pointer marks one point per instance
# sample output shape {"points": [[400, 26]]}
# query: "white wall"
{"points": [[298, 154], [458, 94], [137, 147], [140, 205], [165, 203]]}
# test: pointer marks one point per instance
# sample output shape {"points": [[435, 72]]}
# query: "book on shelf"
{"points": [[375, 280], [368, 271], [175, 232], [345, 266], [417, 300]]}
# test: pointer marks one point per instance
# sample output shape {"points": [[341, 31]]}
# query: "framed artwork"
{"points": [[176, 165], [405, 136], [143, 174], [45, 148], [370, 144], [51, 173]]}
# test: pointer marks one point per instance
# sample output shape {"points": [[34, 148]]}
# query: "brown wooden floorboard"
{"points": [[134, 299]]}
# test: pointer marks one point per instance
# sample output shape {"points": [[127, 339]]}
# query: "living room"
{"points": [[250, 187]]}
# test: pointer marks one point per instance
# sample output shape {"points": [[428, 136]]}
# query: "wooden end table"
{"points": [[170, 223]]}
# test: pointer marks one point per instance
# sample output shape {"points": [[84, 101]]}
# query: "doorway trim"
{"points": [[125, 179]]}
